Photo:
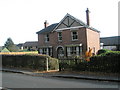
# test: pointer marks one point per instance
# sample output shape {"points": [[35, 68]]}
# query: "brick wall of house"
{"points": [[93, 40], [40, 39], [66, 39]]}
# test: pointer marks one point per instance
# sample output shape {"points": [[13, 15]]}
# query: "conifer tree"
{"points": [[9, 44]]}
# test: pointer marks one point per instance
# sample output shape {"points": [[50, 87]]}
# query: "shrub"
{"points": [[24, 50], [53, 63], [101, 51], [106, 62], [34, 61]]}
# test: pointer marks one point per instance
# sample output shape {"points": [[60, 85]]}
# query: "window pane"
{"points": [[74, 35], [60, 36], [47, 38]]}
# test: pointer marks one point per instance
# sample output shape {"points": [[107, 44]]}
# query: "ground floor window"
{"points": [[46, 50], [74, 50]]}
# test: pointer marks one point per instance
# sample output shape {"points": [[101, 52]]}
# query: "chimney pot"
{"points": [[46, 23]]}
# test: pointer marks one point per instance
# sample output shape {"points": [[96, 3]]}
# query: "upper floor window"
{"points": [[47, 38], [74, 35], [59, 36]]}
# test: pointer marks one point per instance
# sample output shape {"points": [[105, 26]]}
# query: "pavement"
{"points": [[111, 78]]}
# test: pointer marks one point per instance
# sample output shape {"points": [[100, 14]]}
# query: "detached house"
{"points": [[70, 36]]}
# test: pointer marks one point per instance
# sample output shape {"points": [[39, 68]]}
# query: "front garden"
{"points": [[106, 61]]}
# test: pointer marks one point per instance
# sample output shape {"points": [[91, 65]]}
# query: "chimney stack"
{"points": [[87, 16], [46, 23]]}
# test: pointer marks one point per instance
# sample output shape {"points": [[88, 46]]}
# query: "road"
{"points": [[16, 80]]}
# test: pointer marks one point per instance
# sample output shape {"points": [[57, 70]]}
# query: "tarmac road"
{"points": [[17, 80]]}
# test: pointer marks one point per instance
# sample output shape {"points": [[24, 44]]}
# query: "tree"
{"points": [[5, 50], [88, 54], [9, 44]]}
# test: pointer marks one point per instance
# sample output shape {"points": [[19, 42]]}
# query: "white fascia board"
{"points": [[71, 28], [71, 45], [60, 22], [45, 47]]}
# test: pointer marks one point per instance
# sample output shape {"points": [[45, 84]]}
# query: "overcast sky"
{"points": [[21, 19]]}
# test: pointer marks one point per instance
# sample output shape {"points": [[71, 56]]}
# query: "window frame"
{"points": [[74, 35], [59, 36], [47, 39], [73, 50]]}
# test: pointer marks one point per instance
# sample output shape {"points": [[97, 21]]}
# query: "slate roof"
{"points": [[109, 41], [47, 29], [20, 44], [31, 43], [55, 25]]}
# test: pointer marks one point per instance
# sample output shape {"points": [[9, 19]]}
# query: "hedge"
{"points": [[106, 62], [103, 51], [31, 61]]}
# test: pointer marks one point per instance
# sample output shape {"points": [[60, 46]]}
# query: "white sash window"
{"points": [[74, 50], [59, 36], [68, 51], [74, 35], [47, 38], [41, 51], [46, 50], [77, 51]]}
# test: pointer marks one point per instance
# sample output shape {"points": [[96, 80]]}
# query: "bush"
{"points": [[24, 50], [53, 63], [101, 51], [34, 61], [81, 66], [107, 62]]}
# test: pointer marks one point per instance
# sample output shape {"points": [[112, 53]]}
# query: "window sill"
{"points": [[59, 40], [75, 40], [47, 42]]}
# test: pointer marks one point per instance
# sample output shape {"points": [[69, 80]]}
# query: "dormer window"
{"points": [[74, 35], [47, 38], [59, 36]]}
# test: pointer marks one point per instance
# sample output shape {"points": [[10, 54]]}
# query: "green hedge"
{"points": [[102, 51], [37, 62], [104, 62]]}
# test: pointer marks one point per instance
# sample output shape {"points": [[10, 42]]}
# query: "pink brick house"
{"points": [[70, 36]]}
